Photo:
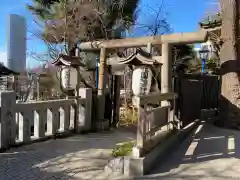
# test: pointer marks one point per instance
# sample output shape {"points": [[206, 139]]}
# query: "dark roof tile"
{"points": [[211, 21]]}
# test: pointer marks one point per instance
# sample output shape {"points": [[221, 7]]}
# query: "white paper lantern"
{"points": [[141, 81], [69, 78]]}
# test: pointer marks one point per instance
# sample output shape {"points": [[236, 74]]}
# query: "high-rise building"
{"points": [[16, 43]]}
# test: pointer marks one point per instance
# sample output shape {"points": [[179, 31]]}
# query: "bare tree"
{"points": [[154, 23]]}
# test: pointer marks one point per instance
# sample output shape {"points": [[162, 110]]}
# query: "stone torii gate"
{"points": [[166, 42]]}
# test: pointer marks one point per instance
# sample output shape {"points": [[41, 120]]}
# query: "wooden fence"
{"points": [[210, 92], [196, 92]]}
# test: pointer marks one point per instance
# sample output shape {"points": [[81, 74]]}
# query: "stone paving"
{"points": [[79, 157], [211, 154]]}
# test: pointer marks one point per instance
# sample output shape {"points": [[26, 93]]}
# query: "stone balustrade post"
{"points": [[65, 121], [53, 120], [7, 119], [39, 123], [84, 121], [25, 119]]}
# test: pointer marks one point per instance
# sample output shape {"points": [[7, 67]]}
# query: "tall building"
{"points": [[16, 43]]}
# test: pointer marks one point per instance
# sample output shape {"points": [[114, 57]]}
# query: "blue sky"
{"points": [[182, 15]]}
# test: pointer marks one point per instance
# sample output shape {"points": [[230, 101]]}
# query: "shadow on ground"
{"points": [[210, 153], [76, 158]]}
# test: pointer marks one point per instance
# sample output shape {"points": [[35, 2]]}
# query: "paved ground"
{"points": [[80, 157], [211, 154]]}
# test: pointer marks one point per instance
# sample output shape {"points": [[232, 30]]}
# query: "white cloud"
{"points": [[3, 57]]}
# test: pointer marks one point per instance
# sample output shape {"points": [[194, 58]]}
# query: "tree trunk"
{"points": [[229, 59]]}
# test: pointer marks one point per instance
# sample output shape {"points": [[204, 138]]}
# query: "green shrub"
{"points": [[123, 149]]}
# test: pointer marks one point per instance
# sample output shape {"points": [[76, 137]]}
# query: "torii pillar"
{"points": [[102, 84], [166, 71]]}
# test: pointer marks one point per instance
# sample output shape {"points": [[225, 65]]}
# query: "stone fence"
{"points": [[154, 122], [32, 121]]}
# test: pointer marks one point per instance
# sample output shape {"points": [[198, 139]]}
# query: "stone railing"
{"points": [[31, 121], [155, 120]]}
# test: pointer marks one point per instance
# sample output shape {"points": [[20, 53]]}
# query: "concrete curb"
{"points": [[140, 166]]}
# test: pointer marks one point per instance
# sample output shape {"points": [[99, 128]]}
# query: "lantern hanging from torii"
{"points": [[69, 66], [142, 73]]}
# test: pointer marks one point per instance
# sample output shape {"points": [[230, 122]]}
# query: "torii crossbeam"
{"points": [[177, 38]]}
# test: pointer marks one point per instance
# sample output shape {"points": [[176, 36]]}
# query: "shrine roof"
{"points": [[5, 71], [65, 60], [137, 58], [211, 21]]}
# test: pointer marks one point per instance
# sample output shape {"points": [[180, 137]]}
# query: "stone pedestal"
{"points": [[84, 118], [7, 119]]}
